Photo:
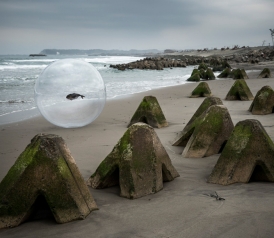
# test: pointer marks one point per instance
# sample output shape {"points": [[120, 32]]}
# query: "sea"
{"points": [[18, 74]]}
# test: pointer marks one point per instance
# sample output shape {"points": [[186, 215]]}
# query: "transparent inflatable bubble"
{"points": [[70, 93]]}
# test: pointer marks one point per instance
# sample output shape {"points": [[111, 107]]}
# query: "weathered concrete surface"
{"points": [[207, 134], [202, 66], [225, 73], [247, 156], [195, 77], [138, 164], [203, 72], [239, 74], [209, 101], [45, 168], [239, 91], [209, 75], [149, 112], [202, 90], [266, 73], [263, 102]]}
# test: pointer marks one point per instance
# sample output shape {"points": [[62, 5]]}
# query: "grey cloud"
{"points": [[122, 14], [129, 24]]}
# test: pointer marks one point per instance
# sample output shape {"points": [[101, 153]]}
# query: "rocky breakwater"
{"points": [[157, 63], [252, 56], [218, 60]]}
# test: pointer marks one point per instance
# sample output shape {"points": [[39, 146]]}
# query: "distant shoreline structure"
{"points": [[33, 55], [101, 52]]}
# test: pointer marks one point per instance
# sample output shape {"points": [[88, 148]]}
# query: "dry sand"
{"points": [[181, 209]]}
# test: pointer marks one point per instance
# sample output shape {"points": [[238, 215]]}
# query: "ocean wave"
{"points": [[113, 59], [14, 66], [33, 60], [16, 101], [16, 111]]}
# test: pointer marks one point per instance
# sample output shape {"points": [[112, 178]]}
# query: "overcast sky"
{"points": [[29, 26]]}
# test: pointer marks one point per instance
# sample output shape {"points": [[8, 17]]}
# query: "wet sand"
{"points": [[181, 209]]}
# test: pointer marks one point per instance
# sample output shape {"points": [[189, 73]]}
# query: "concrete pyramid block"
{"points": [[247, 156], [209, 101], [149, 112], [195, 71], [138, 164], [45, 169], [207, 134], [239, 74], [202, 90], [239, 91], [194, 77], [225, 73], [263, 102], [209, 75], [265, 73], [202, 66]]}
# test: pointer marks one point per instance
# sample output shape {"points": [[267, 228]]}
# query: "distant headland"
{"points": [[101, 52]]}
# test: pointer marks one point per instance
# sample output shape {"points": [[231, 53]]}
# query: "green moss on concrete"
{"points": [[194, 78], [202, 66], [43, 170], [138, 156], [212, 128], [225, 73], [149, 109], [248, 145], [263, 102], [239, 91], [239, 74], [209, 75], [23, 161], [202, 90], [195, 71], [266, 73]]}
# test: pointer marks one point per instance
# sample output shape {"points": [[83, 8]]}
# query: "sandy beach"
{"points": [[181, 209]]}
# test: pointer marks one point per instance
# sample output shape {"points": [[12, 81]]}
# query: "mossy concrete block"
{"points": [[209, 75], [195, 71], [225, 73], [202, 66], [208, 102], [239, 74], [45, 168], [220, 66], [202, 90], [138, 164], [247, 156], [207, 134], [263, 102], [266, 73], [239, 91], [149, 112], [194, 78], [231, 74], [202, 73]]}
